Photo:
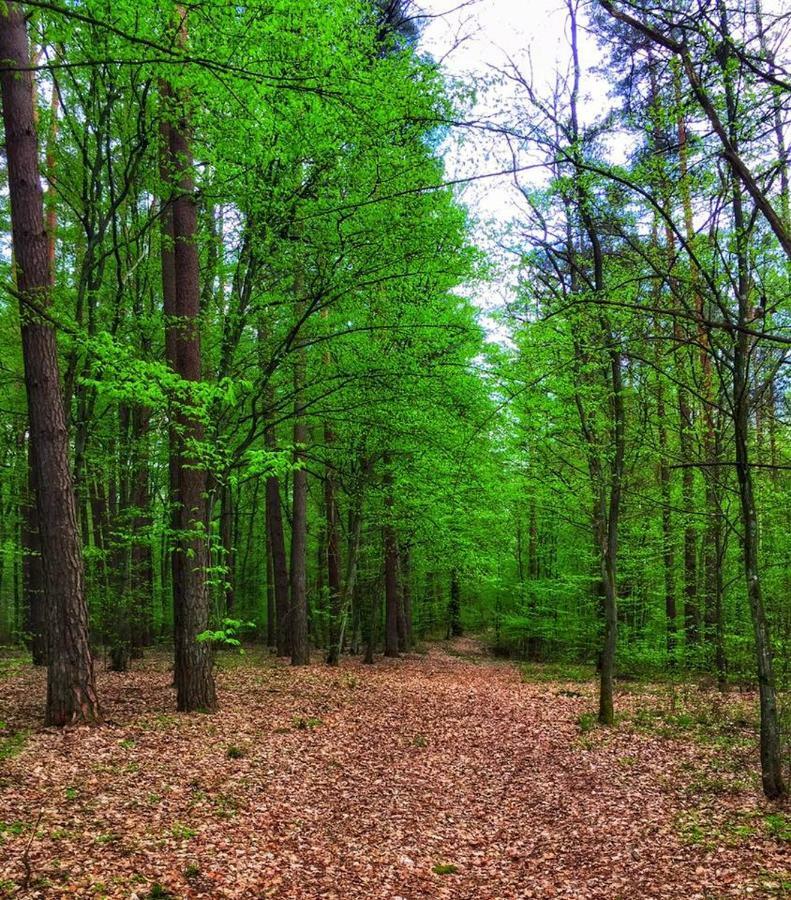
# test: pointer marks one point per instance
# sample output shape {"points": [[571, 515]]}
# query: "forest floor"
{"points": [[444, 774]]}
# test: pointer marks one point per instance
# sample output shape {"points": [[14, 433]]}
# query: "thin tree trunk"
{"points": [[403, 638], [392, 599], [373, 622], [712, 538], [270, 591], [454, 606], [33, 571], [668, 555], [300, 651], [406, 592], [168, 264], [277, 544], [771, 742], [228, 553], [333, 556], [350, 592], [142, 563]]}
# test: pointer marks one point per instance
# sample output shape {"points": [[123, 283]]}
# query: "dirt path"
{"points": [[363, 783]]}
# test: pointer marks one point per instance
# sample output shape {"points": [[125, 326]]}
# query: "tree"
{"points": [[71, 691], [193, 664]]}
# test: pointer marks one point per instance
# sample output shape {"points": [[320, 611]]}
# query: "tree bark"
{"points": [[454, 606], [270, 591], [71, 691], [228, 552], [195, 689], [770, 742], [668, 556], [142, 563], [33, 571], [406, 592], [712, 538], [392, 599], [333, 556], [300, 651], [277, 543]]}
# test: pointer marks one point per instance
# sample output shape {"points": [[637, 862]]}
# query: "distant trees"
{"points": [[237, 358], [277, 410], [721, 73], [651, 285]]}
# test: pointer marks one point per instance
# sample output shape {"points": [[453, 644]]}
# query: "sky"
{"points": [[473, 40]]}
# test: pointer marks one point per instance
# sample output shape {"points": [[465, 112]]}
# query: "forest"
{"points": [[355, 543]]}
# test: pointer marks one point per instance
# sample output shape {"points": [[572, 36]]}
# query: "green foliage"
{"points": [[307, 723], [228, 635], [445, 869], [586, 722], [158, 892], [339, 280], [182, 832], [779, 826], [13, 743]]}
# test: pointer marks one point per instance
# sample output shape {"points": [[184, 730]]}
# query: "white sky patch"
{"points": [[474, 42]]}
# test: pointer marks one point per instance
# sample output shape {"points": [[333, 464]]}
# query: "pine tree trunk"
{"points": [[71, 692], [193, 677]]}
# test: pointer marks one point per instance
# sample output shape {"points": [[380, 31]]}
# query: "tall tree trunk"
{"points": [[298, 609], [668, 555], [333, 555], [403, 637], [168, 264], [771, 743], [270, 591], [392, 599], [406, 592], [690, 580], [33, 571], [277, 544], [454, 606], [142, 563], [372, 625], [71, 691], [226, 540], [119, 555], [604, 478], [350, 593], [195, 689], [712, 538]]}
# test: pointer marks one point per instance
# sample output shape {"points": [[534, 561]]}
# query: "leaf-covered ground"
{"points": [[444, 775]]}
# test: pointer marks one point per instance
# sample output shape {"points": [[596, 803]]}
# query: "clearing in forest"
{"points": [[442, 775]]}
